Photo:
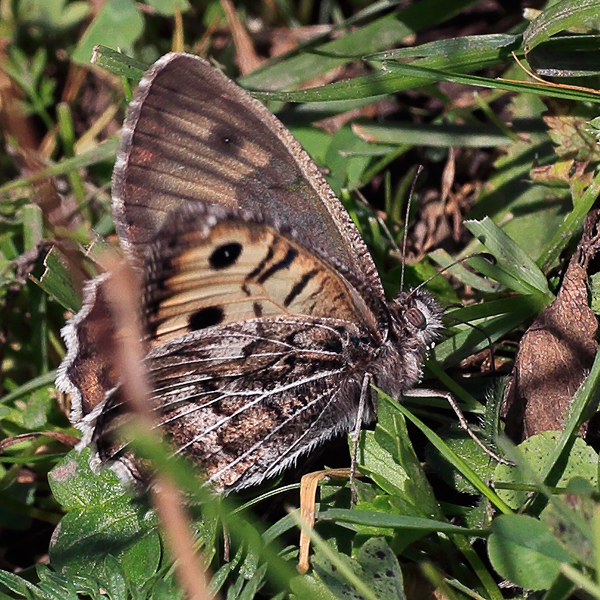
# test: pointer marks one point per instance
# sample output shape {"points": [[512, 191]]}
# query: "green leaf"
{"points": [[344, 160], [37, 383], [568, 531], [58, 282], [54, 14], [444, 135], [521, 273], [387, 456], [377, 35], [453, 50], [571, 225], [460, 272], [582, 461], [105, 151], [167, 7], [118, 63], [103, 519], [562, 15], [363, 517], [459, 464], [37, 411], [569, 56], [54, 586], [18, 585], [524, 551], [394, 78], [375, 566], [118, 24]]}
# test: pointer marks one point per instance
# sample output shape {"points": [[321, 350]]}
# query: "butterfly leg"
{"points": [[420, 393], [356, 434]]}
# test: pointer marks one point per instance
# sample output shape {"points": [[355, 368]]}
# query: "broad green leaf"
{"points": [[388, 457], [102, 519], [523, 550], [567, 531], [582, 461], [118, 24], [167, 7], [375, 566]]}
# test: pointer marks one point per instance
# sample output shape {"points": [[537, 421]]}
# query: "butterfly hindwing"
{"points": [[87, 372], [244, 400], [245, 392]]}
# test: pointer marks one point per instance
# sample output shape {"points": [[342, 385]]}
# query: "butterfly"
{"points": [[265, 318]]}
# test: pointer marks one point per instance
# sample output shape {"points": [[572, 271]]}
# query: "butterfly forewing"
{"points": [[210, 267], [192, 135]]}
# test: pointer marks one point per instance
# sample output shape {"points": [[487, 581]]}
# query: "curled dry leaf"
{"points": [[556, 352]]}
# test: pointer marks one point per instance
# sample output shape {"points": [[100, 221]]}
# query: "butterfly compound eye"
{"points": [[416, 318]]}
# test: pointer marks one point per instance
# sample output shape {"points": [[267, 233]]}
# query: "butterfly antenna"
{"points": [[476, 328], [485, 255], [406, 218]]}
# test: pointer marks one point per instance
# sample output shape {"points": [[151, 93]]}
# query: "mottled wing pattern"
{"points": [[87, 372], [193, 135], [244, 400]]}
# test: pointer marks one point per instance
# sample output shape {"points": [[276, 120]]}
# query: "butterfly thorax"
{"points": [[414, 325]]}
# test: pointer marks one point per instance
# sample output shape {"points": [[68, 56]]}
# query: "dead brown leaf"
{"points": [[556, 351]]}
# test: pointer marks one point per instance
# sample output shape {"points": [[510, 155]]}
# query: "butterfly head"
{"points": [[417, 314]]}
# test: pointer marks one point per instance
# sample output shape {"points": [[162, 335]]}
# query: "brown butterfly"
{"points": [[265, 316]]}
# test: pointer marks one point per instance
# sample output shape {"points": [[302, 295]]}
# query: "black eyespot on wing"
{"points": [[225, 256], [225, 140], [207, 317]]}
